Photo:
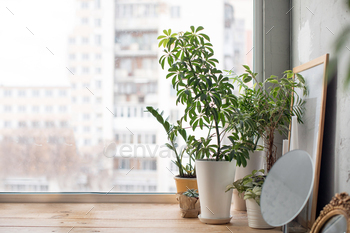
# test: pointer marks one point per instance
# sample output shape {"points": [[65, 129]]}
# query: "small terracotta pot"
{"points": [[183, 183]]}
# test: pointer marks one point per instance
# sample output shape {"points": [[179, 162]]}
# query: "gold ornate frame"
{"points": [[339, 205]]}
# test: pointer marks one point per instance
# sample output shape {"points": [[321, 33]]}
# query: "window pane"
{"points": [[74, 88]]}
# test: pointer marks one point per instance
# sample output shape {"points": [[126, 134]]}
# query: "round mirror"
{"points": [[287, 188], [337, 224]]}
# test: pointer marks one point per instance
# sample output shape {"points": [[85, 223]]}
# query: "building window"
{"points": [[49, 124], [85, 40], [48, 93], [85, 56], [7, 108], [74, 99], [63, 92], [98, 100], [72, 56], [62, 108], [21, 93], [98, 84], [98, 39], [87, 142], [7, 92], [35, 109], [64, 124], [86, 116], [86, 70], [98, 70], [48, 108], [35, 124], [21, 108], [175, 12], [97, 4], [98, 22], [22, 124], [86, 129], [84, 21], [7, 124], [154, 139], [84, 5], [86, 99], [98, 56]]}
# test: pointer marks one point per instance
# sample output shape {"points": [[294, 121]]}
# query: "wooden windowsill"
{"points": [[108, 217]]}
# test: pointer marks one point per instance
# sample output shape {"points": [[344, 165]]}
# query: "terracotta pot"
{"points": [[183, 183]]}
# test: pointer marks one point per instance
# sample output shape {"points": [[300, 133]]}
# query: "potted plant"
{"points": [[186, 179], [271, 105], [189, 204], [250, 187], [210, 106]]}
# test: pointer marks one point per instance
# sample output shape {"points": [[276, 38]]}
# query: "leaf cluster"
{"points": [[249, 186], [206, 93], [191, 193]]}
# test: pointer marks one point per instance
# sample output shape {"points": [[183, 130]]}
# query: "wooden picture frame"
{"points": [[339, 206], [310, 134]]}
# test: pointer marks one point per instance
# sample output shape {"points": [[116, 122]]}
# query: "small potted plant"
{"points": [[250, 188], [186, 179], [189, 204], [210, 106]]}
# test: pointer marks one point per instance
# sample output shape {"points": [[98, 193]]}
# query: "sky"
{"points": [[29, 30]]}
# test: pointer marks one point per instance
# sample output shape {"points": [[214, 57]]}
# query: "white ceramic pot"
{"points": [[212, 179], [254, 163], [255, 218]]}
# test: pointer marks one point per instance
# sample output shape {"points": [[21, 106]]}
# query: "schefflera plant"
{"points": [[206, 94]]}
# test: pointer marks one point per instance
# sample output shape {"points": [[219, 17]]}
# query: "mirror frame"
{"points": [[339, 205]]}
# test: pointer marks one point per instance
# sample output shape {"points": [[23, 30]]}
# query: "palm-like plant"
{"points": [[270, 105]]}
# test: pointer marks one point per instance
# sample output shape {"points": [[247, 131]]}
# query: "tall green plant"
{"points": [[270, 105], [206, 93]]}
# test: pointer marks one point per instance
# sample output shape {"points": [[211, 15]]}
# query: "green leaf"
{"points": [[199, 28]]}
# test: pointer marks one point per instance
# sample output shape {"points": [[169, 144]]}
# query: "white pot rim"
{"points": [[213, 160]]}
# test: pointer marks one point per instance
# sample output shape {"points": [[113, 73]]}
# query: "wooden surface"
{"points": [[100, 217]]}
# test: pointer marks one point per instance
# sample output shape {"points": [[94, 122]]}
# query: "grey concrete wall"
{"points": [[314, 26]]}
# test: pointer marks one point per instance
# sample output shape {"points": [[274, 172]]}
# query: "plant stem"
{"points": [[218, 139]]}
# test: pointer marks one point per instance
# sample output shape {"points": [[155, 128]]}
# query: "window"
{"points": [[48, 93], [98, 56], [71, 40], [175, 11], [22, 108], [98, 22], [7, 93], [97, 4], [84, 5], [85, 40], [72, 56], [48, 109], [7, 124], [84, 21], [21, 93], [7, 108], [94, 91], [35, 124], [85, 70], [98, 84], [62, 108], [97, 39], [35, 109]]}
